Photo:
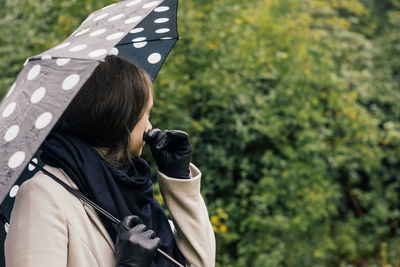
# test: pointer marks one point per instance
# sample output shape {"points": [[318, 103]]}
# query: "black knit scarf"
{"points": [[119, 193]]}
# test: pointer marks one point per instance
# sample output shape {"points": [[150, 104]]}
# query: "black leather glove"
{"points": [[135, 246], [172, 151]]}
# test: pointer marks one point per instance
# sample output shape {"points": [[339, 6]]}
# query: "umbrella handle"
{"points": [[95, 206]]}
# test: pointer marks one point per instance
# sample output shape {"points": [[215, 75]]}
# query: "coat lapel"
{"points": [[91, 212], [96, 220]]}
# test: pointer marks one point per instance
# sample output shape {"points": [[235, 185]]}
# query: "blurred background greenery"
{"points": [[293, 108]]}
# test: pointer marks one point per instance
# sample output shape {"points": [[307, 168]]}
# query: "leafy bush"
{"points": [[277, 97]]}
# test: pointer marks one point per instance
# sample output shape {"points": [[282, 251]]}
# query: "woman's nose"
{"points": [[149, 126]]}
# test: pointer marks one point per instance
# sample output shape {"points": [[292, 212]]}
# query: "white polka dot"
{"points": [[161, 8], [151, 4], [34, 72], [46, 57], [30, 166], [43, 120], [102, 16], [63, 61], [82, 32], [78, 48], [16, 159], [163, 30], [38, 95], [113, 18], [154, 58], [98, 52], [70, 81], [9, 109], [135, 2], [139, 39], [11, 133], [166, 38], [133, 19], [140, 44], [115, 36], [11, 90], [113, 51], [6, 227], [136, 30], [97, 32], [161, 20], [14, 191], [108, 6], [62, 45]]}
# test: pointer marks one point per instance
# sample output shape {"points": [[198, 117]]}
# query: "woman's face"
{"points": [[136, 137]]}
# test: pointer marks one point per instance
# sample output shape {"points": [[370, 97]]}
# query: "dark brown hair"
{"points": [[108, 106]]}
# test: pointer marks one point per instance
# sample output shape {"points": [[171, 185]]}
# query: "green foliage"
{"points": [[293, 109]]}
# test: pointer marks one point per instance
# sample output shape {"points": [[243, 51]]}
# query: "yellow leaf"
{"points": [[223, 228], [212, 46], [214, 220]]}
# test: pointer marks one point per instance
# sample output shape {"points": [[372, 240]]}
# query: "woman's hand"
{"points": [[172, 151], [135, 246]]}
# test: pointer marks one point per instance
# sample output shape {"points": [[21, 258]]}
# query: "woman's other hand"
{"points": [[172, 151], [136, 245]]}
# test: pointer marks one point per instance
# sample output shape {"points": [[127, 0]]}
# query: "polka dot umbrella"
{"points": [[142, 31]]}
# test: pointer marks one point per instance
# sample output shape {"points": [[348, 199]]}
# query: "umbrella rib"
{"points": [[119, 44], [34, 58], [153, 40]]}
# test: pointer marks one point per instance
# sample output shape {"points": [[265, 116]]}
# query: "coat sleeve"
{"points": [[195, 236], [38, 234]]}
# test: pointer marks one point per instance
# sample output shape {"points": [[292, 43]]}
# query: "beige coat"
{"points": [[50, 227]]}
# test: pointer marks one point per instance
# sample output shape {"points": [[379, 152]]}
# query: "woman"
{"points": [[95, 148]]}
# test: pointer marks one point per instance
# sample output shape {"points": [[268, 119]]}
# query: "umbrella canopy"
{"points": [[142, 31]]}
